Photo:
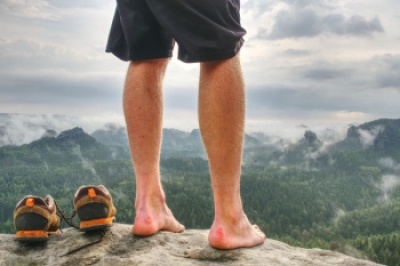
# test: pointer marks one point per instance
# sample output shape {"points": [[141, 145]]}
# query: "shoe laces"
{"points": [[61, 213]]}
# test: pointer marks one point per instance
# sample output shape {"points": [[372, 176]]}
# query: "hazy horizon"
{"points": [[322, 64], [18, 129]]}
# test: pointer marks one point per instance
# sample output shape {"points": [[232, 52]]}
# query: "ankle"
{"points": [[149, 200], [229, 211], [229, 217]]}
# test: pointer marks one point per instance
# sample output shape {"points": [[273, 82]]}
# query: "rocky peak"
{"points": [[195, 134], [50, 133], [120, 247], [75, 136], [352, 132], [310, 137]]}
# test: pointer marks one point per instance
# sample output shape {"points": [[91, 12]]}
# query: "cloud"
{"points": [[46, 9], [324, 73], [389, 183], [34, 55], [360, 26], [307, 23], [387, 75], [258, 6], [298, 98], [18, 129], [324, 4], [307, 19], [79, 4], [52, 57], [297, 52], [389, 163], [294, 24], [28, 9], [54, 74], [87, 165], [67, 90], [367, 137], [181, 99]]}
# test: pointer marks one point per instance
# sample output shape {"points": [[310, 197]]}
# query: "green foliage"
{"points": [[380, 248], [327, 200]]}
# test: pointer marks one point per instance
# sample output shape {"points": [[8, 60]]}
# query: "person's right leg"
{"points": [[221, 117], [143, 108]]}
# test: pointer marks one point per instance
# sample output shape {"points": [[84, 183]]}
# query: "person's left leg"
{"points": [[143, 108], [221, 118]]}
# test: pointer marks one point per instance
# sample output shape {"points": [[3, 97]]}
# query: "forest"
{"points": [[343, 196]]}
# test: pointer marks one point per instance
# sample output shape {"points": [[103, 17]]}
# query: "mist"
{"points": [[18, 129]]}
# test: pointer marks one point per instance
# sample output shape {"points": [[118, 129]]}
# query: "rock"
{"points": [[310, 137], [353, 132], [120, 247], [50, 133]]}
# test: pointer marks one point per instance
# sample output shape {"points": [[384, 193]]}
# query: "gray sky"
{"points": [[320, 63]]}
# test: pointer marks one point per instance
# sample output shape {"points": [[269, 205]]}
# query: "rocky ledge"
{"points": [[120, 247]]}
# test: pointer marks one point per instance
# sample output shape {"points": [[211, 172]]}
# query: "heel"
{"points": [[93, 216]]}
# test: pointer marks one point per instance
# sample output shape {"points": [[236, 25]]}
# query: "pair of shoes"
{"points": [[35, 218]]}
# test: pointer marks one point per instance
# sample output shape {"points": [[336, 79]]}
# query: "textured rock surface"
{"points": [[120, 247]]}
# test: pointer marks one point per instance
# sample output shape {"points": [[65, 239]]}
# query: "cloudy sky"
{"points": [[314, 63]]}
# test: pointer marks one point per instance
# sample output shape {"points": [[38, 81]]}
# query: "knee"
{"points": [[227, 62]]}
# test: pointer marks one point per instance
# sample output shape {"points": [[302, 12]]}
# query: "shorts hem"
{"points": [[142, 56], [199, 59], [208, 57]]}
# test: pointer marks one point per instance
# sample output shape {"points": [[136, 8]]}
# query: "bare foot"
{"points": [[149, 221], [240, 234]]}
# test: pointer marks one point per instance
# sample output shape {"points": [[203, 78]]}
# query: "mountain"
{"points": [[383, 135], [367, 142], [307, 193], [68, 138], [111, 135], [371, 141], [175, 142], [70, 146]]}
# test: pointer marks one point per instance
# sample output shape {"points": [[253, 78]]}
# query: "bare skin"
{"points": [[221, 117], [143, 108]]}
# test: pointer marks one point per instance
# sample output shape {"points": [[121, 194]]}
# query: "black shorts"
{"points": [[205, 30]]}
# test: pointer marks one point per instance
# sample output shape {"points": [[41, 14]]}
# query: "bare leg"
{"points": [[221, 117], [143, 107]]}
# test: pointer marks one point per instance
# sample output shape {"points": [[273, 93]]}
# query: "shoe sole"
{"points": [[96, 224], [32, 236]]}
